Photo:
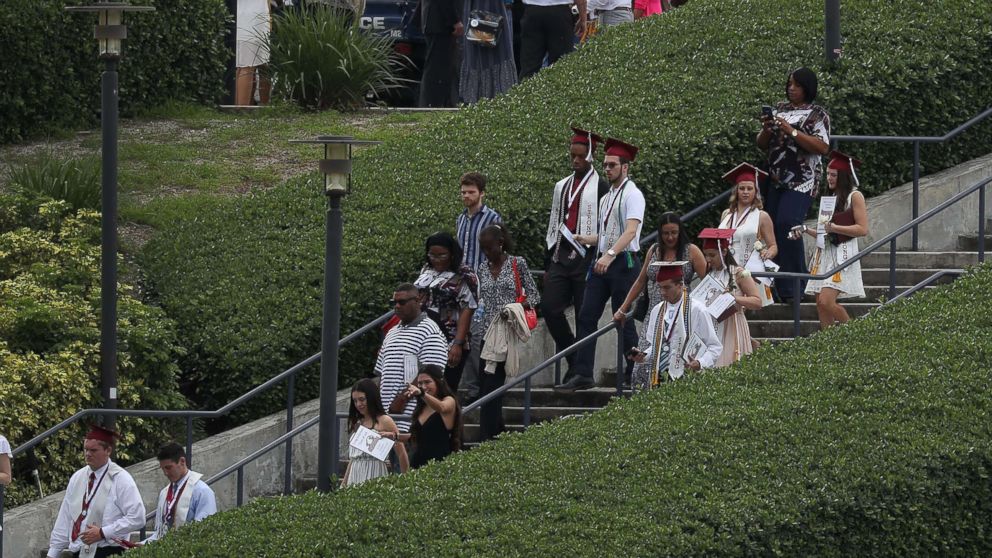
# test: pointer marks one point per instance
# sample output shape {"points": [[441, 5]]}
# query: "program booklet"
{"points": [[371, 442], [713, 296]]}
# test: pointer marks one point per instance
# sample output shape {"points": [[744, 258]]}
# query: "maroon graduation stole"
{"points": [[87, 499]]}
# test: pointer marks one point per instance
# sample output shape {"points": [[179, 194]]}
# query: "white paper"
{"points": [[410, 368], [827, 205], [692, 348], [713, 296], [567, 235], [371, 442]]}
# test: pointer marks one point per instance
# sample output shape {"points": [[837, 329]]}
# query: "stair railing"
{"points": [[916, 141], [890, 239]]}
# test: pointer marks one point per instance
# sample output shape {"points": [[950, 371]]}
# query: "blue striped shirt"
{"points": [[468, 233]]}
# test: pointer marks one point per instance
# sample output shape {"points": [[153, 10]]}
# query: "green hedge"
{"points": [[51, 74], [242, 277], [881, 445], [50, 338]]}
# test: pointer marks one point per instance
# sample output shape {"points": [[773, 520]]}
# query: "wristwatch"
{"points": [[795, 132], [612, 253]]}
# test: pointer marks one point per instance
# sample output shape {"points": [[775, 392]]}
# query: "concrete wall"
{"points": [[27, 528]]}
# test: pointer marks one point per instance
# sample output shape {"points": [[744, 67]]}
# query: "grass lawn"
{"points": [[178, 157]]}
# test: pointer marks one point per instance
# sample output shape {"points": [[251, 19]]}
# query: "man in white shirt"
{"points": [[101, 503], [187, 498], [680, 334], [575, 208], [621, 214]]}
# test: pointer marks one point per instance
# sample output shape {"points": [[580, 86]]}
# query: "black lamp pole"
{"points": [[336, 168], [831, 19], [110, 31]]}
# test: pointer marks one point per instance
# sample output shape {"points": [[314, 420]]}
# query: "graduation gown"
{"points": [[675, 335]]}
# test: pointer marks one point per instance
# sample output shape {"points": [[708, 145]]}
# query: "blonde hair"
{"points": [[758, 203]]}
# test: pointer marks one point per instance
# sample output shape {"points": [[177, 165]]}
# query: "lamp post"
{"points": [[110, 31], [336, 168], [831, 18]]}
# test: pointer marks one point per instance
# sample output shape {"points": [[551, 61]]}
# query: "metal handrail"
{"points": [[186, 413], [891, 240], [925, 283], [916, 140]]}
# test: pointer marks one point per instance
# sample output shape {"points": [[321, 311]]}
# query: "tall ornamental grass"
{"points": [[321, 59]]}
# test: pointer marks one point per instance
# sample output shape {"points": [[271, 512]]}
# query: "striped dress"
{"points": [[421, 338]]}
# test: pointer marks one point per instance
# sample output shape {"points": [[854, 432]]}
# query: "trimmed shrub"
{"points": [[50, 339], [242, 277], [51, 77], [870, 439], [322, 59], [75, 181]]}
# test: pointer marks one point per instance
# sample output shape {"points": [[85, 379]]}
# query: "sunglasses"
{"points": [[610, 165], [401, 301]]}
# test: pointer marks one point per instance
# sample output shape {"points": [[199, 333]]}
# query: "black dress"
{"points": [[433, 441]]}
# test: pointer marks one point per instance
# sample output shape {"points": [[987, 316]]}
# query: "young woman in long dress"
{"points": [[366, 410], [733, 331]]}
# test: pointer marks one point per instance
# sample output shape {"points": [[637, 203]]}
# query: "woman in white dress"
{"points": [[733, 331], [754, 239], [366, 410], [5, 456], [252, 52], [848, 224]]}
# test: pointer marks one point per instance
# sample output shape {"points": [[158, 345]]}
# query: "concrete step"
{"points": [[781, 328], [515, 415], [921, 260], [546, 397], [970, 241], [880, 276], [807, 311]]}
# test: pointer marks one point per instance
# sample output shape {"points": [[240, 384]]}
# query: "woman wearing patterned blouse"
{"points": [[449, 295], [497, 288]]}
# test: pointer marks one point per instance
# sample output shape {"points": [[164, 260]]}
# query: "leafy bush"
{"points": [[242, 277], [75, 181], [49, 339], [322, 59], [52, 74], [878, 446]]}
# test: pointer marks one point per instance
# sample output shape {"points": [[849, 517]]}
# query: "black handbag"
{"points": [[484, 28]]}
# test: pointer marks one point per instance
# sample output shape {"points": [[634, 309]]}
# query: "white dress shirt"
{"points": [[123, 511]]}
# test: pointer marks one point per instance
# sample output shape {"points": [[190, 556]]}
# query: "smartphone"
{"points": [[767, 112], [633, 352]]}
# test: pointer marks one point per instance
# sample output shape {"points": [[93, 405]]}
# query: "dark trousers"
{"points": [[564, 286], [545, 30], [612, 286], [491, 414], [439, 62], [453, 374], [788, 209]]}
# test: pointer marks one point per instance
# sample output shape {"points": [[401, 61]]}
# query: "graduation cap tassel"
{"points": [[854, 175], [589, 157]]}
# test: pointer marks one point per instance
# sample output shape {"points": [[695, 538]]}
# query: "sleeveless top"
{"points": [[433, 441], [746, 234]]}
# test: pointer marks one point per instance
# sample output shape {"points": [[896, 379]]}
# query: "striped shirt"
{"points": [[421, 338], [468, 228]]}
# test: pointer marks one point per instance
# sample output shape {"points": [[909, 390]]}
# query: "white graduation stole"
{"points": [[588, 207], [182, 506]]}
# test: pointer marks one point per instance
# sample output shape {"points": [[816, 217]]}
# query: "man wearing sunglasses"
{"points": [[415, 341]]}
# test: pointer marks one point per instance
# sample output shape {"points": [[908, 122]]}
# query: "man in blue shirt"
{"points": [[476, 216], [187, 498]]}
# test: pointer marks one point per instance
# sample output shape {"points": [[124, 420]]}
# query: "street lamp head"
{"points": [[336, 164], [110, 29]]}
